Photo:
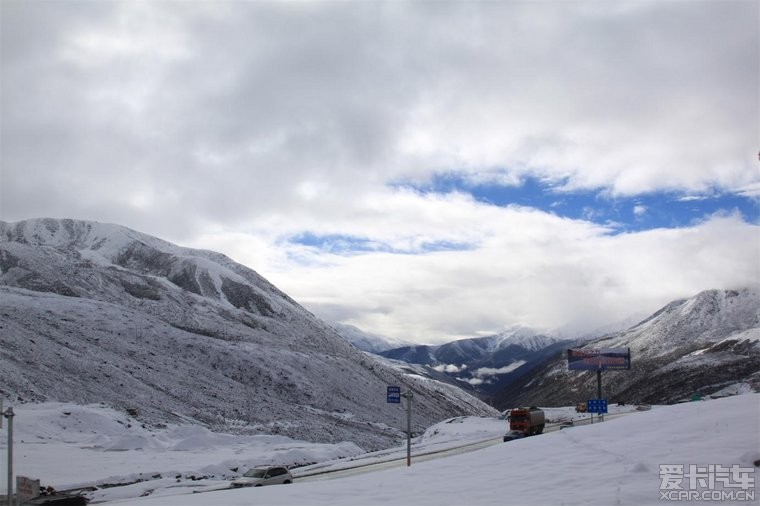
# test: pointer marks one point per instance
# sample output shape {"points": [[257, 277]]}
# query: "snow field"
{"points": [[615, 462]]}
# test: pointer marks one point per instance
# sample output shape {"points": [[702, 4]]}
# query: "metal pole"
{"points": [[599, 390], [598, 383], [9, 415], [408, 396], [409, 431]]}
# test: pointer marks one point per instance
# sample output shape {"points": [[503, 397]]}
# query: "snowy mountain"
{"points": [[693, 346], [486, 363], [367, 341], [93, 312]]}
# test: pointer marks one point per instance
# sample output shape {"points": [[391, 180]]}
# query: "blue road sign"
{"points": [[394, 395], [596, 405]]}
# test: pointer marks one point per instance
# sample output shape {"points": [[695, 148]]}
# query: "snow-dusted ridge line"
{"points": [[106, 243], [710, 316]]}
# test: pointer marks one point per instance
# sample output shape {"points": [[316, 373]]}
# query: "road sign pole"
{"points": [[599, 384], [599, 390], [408, 396], [9, 415]]}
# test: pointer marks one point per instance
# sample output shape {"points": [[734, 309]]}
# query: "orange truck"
{"points": [[529, 421]]}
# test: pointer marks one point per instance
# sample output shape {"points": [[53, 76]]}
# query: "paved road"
{"points": [[393, 462], [398, 459]]}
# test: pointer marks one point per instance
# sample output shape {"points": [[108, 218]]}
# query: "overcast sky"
{"points": [[426, 170]]}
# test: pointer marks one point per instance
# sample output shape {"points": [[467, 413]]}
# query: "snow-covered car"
{"points": [[513, 434], [264, 475]]}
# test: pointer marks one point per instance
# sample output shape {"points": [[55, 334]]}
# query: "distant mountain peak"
{"points": [[523, 336], [368, 341]]}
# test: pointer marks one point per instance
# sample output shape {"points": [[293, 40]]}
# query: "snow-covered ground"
{"points": [[615, 462]]}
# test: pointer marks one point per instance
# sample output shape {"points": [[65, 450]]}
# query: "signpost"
{"points": [[9, 415], [598, 406], [394, 397], [408, 396]]}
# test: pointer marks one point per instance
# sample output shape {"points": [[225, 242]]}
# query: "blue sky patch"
{"points": [[623, 214], [348, 245]]}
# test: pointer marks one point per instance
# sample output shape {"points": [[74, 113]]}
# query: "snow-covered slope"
{"points": [[708, 317], [693, 346], [93, 312]]}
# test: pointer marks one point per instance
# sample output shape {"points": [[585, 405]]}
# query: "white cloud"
{"points": [[472, 381], [591, 214], [486, 372], [751, 190], [692, 198], [450, 368], [640, 210], [261, 104], [526, 266]]}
